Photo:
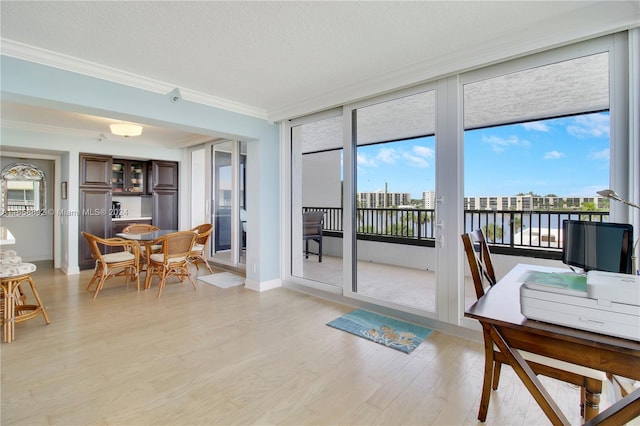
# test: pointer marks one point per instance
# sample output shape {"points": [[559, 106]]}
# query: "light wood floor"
{"points": [[236, 357]]}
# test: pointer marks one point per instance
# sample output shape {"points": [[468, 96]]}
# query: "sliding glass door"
{"points": [[316, 176], [218, 196], [395, 189]]}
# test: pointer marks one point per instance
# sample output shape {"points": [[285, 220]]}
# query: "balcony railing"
{"points": [[509, 231]]}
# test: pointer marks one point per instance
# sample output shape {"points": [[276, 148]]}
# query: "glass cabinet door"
{"points": [[136, 177], [117, 176], [128, 176]]}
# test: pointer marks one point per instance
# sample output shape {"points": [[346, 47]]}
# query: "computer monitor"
{"points": [[602, 246]]}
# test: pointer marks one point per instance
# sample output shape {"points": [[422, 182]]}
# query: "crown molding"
{"points": [[43, 128], [45, 57]]}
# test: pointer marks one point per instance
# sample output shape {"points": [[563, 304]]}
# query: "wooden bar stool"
{"points": [[14, 300]]}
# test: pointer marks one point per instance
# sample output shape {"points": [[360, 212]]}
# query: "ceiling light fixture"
{"points": [[126, 129]]}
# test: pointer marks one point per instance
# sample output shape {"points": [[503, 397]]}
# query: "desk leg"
{"points": [[528, 377], [621, 412]]}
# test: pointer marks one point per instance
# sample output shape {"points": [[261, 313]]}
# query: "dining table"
{"points": [[147, 236]]}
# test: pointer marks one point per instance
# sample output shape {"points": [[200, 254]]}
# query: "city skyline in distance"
{"points": [[567, 156]]}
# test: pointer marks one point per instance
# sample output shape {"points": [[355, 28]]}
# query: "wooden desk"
{"points": [[499, 313]]}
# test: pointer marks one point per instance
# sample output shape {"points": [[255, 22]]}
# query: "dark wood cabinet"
{"points": [[165, 175], [128, 177], [95, 170], [165, 209], [94, 203], [165, 194]]}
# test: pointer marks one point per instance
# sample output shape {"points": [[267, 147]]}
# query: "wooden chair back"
{"points": [[203, 232], [139, 228], [479, 258], [92, 241], [177, 246]]}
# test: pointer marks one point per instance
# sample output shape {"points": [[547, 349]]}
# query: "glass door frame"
{"points": [[350, 202], [234, 255]]}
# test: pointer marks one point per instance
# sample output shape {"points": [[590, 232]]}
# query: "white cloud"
{"points": [[415, 161], [424, 151], [591, 125], [553, 155], [500, 144], [600, 155], [537, 126], [388, 155], [365, 161]]}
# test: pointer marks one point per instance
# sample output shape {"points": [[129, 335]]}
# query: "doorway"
{"points": [[218, 196]]}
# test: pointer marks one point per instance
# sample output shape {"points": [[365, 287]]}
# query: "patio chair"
{"points": [[124, 262], [173, 260], [312, 223], [589, 380], [197, 255]]}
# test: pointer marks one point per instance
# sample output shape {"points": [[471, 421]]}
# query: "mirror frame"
{"points": [[28, 173]]}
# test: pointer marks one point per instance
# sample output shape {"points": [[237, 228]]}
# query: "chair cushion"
{"points": [[7, 271], [198, 247], [159, 258], [121, 256], [156, 247], [10, 260]]}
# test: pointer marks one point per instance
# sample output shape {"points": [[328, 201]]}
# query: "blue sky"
{"points": [[564, 156]]}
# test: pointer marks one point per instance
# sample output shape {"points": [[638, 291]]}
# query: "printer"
{"points": [[602, 302]]}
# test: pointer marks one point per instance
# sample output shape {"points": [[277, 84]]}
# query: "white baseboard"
{"points": [[262, 285]]}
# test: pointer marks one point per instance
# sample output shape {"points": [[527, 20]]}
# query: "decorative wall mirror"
{"points": [[23, 190]]}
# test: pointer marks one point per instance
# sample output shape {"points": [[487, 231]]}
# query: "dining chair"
{"points": [[173, 259], [143, 228], [589, 380], [197, 254], [139, 228], [15, 304], [124, 262], [312, 223]]}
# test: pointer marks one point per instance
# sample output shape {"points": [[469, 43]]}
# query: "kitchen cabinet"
{"points": [[128, 177], [165, 194], [95, 170], [165, 209], [94, 203], [165, 175]]}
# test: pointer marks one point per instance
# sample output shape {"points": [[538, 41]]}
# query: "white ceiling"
{"points": [[278, 60]]}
